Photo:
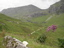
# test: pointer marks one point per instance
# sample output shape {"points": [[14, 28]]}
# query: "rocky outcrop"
{"points": [[57, 8], [10, 42]]}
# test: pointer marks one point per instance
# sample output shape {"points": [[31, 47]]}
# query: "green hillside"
{"points": [[40, 19], [54, 20], [50, 19], [22, 30], [33, 24], [15, 25]]}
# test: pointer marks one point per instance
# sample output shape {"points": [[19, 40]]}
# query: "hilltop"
{"points": [[22, 12]]}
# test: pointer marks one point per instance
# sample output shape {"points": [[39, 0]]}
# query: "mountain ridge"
{"points": [[21, 11], [30, 11]]}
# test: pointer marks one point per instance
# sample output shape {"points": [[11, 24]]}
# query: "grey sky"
{"points": [[43, 4]]}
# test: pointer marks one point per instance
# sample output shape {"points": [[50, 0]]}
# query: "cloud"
{"points": [[43, 4]]}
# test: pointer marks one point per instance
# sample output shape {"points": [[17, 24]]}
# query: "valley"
{"points": [[29, 23]]}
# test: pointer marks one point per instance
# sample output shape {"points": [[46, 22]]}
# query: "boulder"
{"points": [[10, 42]]}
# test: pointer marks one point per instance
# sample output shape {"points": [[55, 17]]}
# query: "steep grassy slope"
{"points": [[50, 19], [23, 30], [59, 33], [15, 25], [40, 19], [19, 30], [52, 36]]}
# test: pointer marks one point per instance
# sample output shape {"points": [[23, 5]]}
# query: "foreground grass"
{"points": [[31, 40]]}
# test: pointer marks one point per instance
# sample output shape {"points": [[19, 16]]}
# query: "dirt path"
{"points": [[36, 30], [49, 18]]}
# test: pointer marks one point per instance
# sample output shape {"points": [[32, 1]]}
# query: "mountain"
{"points": [[57, 8], [31, 11], [24, 11], [31, 31]]}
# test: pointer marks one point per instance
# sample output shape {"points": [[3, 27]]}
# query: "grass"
{"points": [[15, 25], [40, 19], [22, 30]]}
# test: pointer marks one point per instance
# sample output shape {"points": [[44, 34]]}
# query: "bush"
{"points": [[52, 27], [42, 39], [2, 34], [61, 43], [0, 28], [3, 27]]}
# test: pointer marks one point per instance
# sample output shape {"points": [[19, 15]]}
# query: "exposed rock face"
{"points": [[10, 42], [57, 8]]}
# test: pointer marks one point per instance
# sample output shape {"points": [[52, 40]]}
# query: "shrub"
{"points": [[2, 34], [3, 27], [52, 27], [61, 43], [42, 39], [0, 28]]}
